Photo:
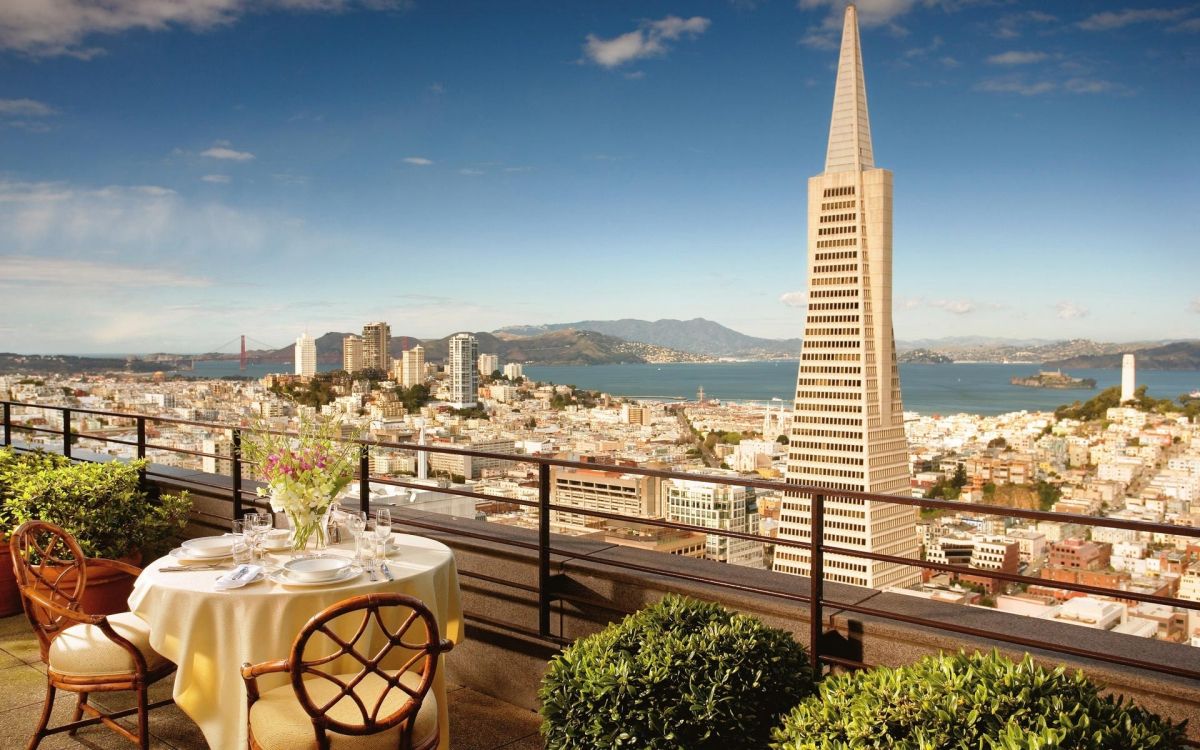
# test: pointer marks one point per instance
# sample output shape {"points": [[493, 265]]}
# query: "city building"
{"points": [[514, 370], [1128, 378], [848, 424], [461, 468], [717, 506], [488, 363], [352, 353], [375, 340], [306, 356], [630, 495], [463, 375], [412, 366]]}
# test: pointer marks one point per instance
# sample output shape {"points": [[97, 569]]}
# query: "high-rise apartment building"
{"points": [[376, 337], [352, 353], [412, 366], [717, 506], [514, 370], [464, 377], [847, 428], [1128, 378], [488, 363], [306, 356]]}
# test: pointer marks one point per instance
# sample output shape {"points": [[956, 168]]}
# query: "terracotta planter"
{"points": [[107, 590]]}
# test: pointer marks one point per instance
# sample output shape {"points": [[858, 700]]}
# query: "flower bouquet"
{"points": [[304, 473]]}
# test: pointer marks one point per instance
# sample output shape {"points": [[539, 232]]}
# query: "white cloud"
{"points": [[1195, 305], [1070, 311], [419, 161], [955, 306], [1094, 86], [220, 179], [1109, 20], [1016, 57], [437, 88], [1009, 27], [646, 41], [59, 27], [60, 272], [1192, 24], [221, 150], [870, 12], [1015, 86], [795, 299], [25, 108]]}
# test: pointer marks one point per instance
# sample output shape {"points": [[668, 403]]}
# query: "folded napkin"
{"points": [[239, 576]]}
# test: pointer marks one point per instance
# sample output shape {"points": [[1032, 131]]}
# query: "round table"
{"points": [[209, 634]]}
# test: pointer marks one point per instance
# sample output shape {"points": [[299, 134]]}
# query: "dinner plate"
{"points": [[281, 577], [209, 546], [183, 555], [317, 568]]}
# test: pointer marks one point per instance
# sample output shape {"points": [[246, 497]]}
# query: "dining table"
{"points": [[209, 633]]}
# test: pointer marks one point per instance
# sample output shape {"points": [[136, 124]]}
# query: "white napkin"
{"points": [[239, 576]]}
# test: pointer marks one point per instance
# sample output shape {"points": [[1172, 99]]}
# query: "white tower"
{"points": [[306, 355], [1128, 380], [847, 429], [464, 375]]}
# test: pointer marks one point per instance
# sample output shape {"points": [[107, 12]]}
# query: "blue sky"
{"points": [[173, 175]]}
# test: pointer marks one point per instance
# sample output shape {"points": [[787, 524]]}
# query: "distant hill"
{"points": [[697, 336], [1182, 355], [56, 364]]}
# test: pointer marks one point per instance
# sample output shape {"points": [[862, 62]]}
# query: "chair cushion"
{"points": [[278, 722], [84, 650]]}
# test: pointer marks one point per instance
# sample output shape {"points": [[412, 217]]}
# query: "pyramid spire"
{"points": [[850, 128]]}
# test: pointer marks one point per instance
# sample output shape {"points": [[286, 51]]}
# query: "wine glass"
{"points": [[383, 529], [356, 521]]}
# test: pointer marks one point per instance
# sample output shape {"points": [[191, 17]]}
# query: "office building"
{"points": [[717, 506], [630, 495], [306, 356], [463, 375], [847, 428], [352, 353], [375, 340]]}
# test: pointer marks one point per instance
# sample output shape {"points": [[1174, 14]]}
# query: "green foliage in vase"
{"points": [[975, 702], [102, 505], [678, 674]]}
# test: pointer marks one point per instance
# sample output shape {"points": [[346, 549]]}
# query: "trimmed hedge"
{"points": [[678, 674], [980, 701]]}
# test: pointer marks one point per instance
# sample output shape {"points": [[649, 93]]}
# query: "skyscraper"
{"points": [[306, 355], [488, 363], [1128, 378], [412, 366], [847, 428], [376, 337], [352, 353], [464, 375]]}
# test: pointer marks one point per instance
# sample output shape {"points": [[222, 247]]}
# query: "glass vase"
{"points": [[310, 530]]}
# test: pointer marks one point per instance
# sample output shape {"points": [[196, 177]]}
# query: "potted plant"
{"points": [[13, 465], [679, 674], [105, 508], [970, 701]]}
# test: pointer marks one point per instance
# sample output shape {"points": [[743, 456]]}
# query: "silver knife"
{"points": [[386, 571]]}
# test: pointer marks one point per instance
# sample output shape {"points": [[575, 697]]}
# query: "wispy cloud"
{"points": [[219, 179], [45, 29], [1066, 310], [1195, 305], [871, 13], [954, 306], [437, 88], [1017, 57], [1010, 26], [25, 108], [419, 161], [60, 272], [1108, 20], [648, 40], [795, 299], [221, 150], [1016, 86]]}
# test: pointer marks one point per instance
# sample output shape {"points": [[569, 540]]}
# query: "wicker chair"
{"points": [[83, 653], [372, 708]]}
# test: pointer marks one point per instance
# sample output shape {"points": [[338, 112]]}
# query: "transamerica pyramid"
{"points": [[847, 428]]}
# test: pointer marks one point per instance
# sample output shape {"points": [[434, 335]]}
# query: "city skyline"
{"points": [[170, 181]]}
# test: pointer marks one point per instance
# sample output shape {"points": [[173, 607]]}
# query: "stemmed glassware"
{"points": [[356, 522], [383, 530], [262, 523]]}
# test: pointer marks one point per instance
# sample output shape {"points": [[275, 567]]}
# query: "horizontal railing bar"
{"points": [[498, 581]]}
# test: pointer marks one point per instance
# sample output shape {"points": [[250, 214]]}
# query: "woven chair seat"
{"points": [[85, 651]]}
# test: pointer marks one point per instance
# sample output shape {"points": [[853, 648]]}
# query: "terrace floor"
{"points": [[477, 721]]}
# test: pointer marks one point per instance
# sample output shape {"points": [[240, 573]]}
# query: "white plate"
{"points": [[209, 546], [183, 555], [281, 577], [316, 569]]}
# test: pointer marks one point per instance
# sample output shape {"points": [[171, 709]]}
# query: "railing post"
{"points": [[817, 580], [544, 549], [364, 479], [66, 420], [141, 448], [236, 456], [7, 423]]}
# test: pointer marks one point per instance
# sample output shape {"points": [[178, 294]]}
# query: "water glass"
{"points": [[356, 521], [243, 551]]}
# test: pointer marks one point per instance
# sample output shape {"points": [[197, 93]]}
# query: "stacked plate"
{"points": [[207, 549], [320, 570]]}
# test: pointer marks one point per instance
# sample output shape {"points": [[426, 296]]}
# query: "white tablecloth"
{"points": [[209, 634]]}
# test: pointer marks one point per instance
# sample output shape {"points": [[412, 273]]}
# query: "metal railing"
{"points": [[549, 589]]}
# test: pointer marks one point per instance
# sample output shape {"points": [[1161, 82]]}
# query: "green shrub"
{"points": [[13, 465], [679, 674], [102, 505], [980, 701]]}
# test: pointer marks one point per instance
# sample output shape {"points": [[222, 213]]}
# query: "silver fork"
{"points": [[371, 570]]}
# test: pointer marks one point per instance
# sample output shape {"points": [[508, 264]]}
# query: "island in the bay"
{"points": [[1054, 379]]}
